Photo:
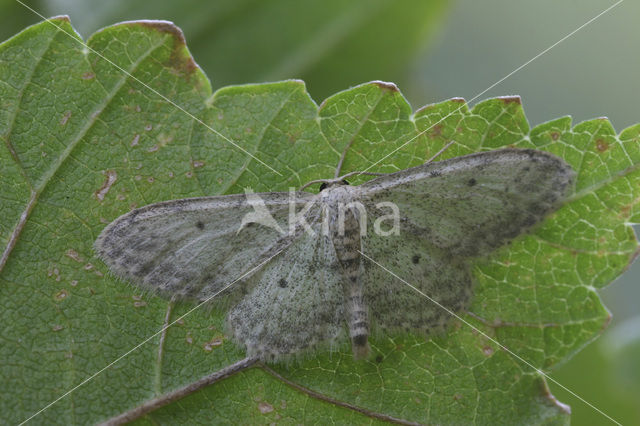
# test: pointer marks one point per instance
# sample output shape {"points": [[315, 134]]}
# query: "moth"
{"points": [[306, 283]]}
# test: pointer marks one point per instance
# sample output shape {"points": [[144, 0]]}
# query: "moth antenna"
{"points": [[444, 148], [338, 179], [313, 182]]}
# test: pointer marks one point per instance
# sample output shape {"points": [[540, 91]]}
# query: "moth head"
{"points": [[333, 183]]}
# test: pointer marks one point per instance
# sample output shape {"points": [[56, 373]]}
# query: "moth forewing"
{"points": [[393, 216]]}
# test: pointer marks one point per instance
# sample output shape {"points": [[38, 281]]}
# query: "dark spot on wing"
{"points": [[282, 283], [415, 259], [471, 182], [200, 225]]}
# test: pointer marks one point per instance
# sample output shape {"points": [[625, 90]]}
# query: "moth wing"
{"points": [[473, 204], [396, 307], [192, 248], [296, 302]]}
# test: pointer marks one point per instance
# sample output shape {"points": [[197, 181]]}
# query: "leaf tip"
{"points": [[61, 18], [550, 398], [510, 99], [163, 27], [181, 59], [385, 85]]}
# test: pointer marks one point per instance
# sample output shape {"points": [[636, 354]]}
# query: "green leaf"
{"points": [[331, 44], [83, 143]]}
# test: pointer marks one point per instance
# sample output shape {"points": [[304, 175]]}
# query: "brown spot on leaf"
{"points": [[510, 100], [602, 145], [625, 211], [139, 304], [265, 407], [57, 327], [457, 100], [88, 75], [74, 255], [487, 350], [180, 59], [555, 136], [135, 140], [436, 130], [197, 164], [110, 179], [212, 344], [163, 27], [61, 295], [607, 321]]}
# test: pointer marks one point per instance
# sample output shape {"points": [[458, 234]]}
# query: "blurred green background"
{"points": [[433, 50]]}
